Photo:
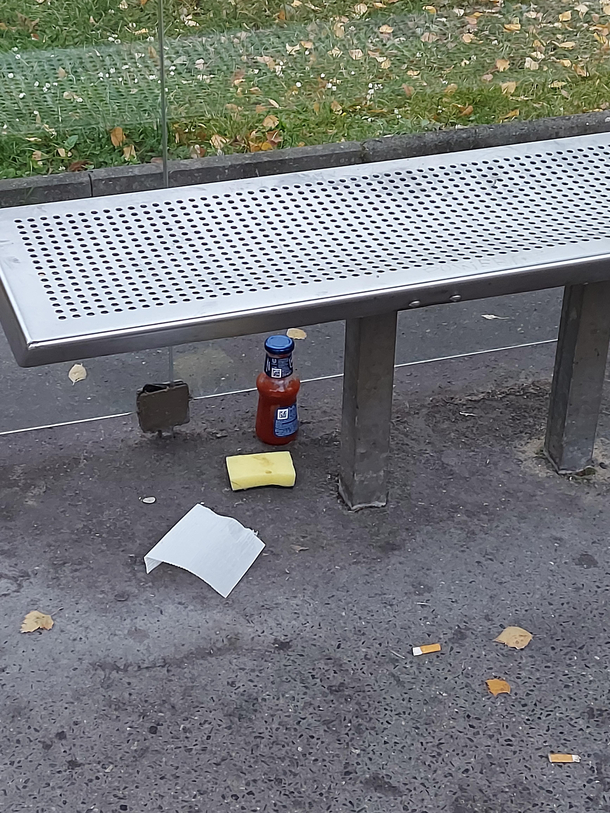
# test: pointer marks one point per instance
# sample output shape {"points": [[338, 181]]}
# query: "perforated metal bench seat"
{"points": [[92, 277]]}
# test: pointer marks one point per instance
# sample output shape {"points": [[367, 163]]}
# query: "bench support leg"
{"points": [[578, 379], [368, 384]]}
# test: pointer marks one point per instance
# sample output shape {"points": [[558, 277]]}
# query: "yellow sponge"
{"points": [[252, 470]]}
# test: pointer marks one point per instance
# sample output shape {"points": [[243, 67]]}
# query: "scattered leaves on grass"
{"points": [[565, 16], [502, 65], [531, 64], [386, 29], [508, 88], [36, 621], [512, 114], [498, 686], [296, 333], [467, 110], [564, 758], [117, 136], [129, 152], [429, 36], [77, 373], [515, 637]]}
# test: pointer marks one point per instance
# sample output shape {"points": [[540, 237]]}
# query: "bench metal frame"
{"points": [[152, 269]]}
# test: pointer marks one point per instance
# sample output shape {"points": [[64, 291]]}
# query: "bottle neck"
{"points": [[278, 366]]}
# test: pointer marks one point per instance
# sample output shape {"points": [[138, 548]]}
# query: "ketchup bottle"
{"points": [[276, 418]]}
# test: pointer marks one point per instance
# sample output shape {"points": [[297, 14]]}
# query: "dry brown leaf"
{"points": [[568, 45], [508, 88], [409, 90], [61, 152], [339, 30], [513, 26], [581, 9], [467, 38], [129, 152], [360, 9], [218, 141], [386, 29], [450, 89], [497, 686], [502, 65], [307, 44], [335, 52], [36, 621], [296, 333], [77, 373], [316, 107], [336, 107], [557, 84], [511, 115], [429, 36], [413, 73], [565, 16], [466, 111], [79, 166], [515, 637], [356, 53], [531, 64], [567, 63], [430, 9], [270, 122], [580, 70], [61, 73], [117, 136], [273, 103], [293, 49], [487, 77]]}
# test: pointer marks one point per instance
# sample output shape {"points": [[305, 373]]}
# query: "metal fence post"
{"points": [[368, 384], [578, 379]]}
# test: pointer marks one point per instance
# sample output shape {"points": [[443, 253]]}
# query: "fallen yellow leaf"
{"points": [[508, 88], [386, 29], [531, 64], [307, 44], [360, 9], [515, 637], [336, 107], [270, 122], [567, 45], [117, 136], [565, 16], [513, 26], [512, 115], [273, 103], [77, 373], [466, 111], [497, 686], [36, 621], [430, 9], [429, 37], [502, 65], [467, 38], [356, 53], [218, 141], [566, 63], [129, 152], [296, 333], [557, 84], [451, 89], [580, 70]]}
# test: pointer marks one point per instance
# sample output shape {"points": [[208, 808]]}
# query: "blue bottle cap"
{"points": [[279, 345]]}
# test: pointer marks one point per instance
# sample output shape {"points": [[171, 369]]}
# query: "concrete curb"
{"points": [[117, 180]]}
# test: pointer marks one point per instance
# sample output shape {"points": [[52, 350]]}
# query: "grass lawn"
{"points": [[79, 82]]}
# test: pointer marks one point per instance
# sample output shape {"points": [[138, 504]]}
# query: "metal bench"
{"points": [[109, 275]]}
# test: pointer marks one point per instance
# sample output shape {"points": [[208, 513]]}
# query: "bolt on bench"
{"points": [[92, 277]]}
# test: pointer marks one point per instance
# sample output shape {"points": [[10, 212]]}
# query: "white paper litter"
{"points": [[217, 549]]}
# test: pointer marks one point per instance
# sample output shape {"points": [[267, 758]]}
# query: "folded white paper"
{"points": [[217, 549]]}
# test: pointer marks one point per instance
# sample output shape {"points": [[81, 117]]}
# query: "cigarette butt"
{"points": [[426, 649], [564, 758]]}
